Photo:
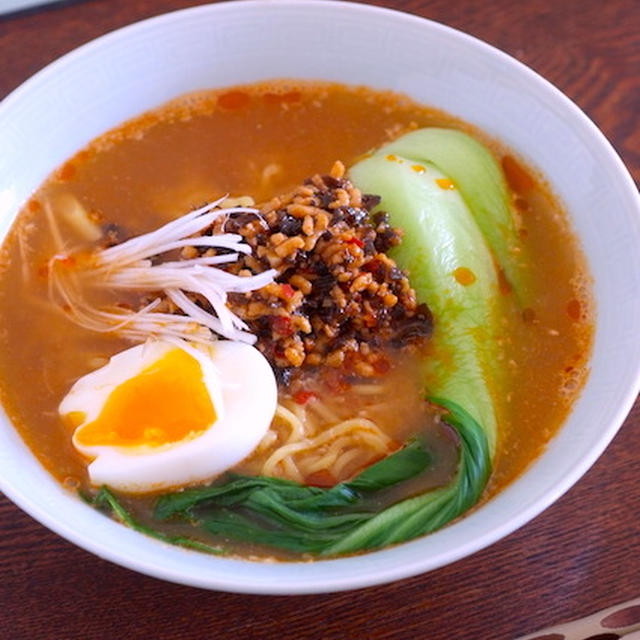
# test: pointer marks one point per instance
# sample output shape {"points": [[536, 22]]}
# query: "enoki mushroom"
{"points": [[128, 267]]}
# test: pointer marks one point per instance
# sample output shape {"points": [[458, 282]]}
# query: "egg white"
{"points": [[242, 388]]}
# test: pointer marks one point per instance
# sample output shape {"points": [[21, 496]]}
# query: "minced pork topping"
{"points": [[338, 299]]}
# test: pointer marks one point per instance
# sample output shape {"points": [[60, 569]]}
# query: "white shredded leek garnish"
{"points": [[128, 267]]}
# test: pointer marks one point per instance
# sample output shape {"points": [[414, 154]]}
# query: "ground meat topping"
{"points": [[338, 299]]}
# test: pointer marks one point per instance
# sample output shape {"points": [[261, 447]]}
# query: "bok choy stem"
{"points": [[481, 182], [452, 270]]}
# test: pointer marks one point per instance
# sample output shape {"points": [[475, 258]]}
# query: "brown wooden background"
{"points": [[581, 555]]}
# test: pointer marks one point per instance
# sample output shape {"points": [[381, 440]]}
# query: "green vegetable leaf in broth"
{"points": [[433, 509], [344, 518], [406, 463], [334, 521], [105, 498]]}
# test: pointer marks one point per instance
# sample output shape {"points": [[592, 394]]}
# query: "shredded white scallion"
{"points": [[128, 267]]}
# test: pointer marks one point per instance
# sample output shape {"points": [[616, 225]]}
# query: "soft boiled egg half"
{"points": [[163, 415]]}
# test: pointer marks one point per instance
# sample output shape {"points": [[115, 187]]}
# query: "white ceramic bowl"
{"points": [[139, 67]]}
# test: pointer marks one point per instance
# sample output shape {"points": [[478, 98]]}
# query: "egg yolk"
{"points": [[166, 402]]}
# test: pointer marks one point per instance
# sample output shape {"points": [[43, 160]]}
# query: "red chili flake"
{"points": [[282, 326], [356, 241], [322, 478], [372, 266], [287, 291], [375, 267], [302, 396]]}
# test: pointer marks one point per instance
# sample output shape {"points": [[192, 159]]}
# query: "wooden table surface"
{"points": [[580, 555]]}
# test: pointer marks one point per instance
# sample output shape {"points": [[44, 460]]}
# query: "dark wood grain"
{"points": [[580, 555]]}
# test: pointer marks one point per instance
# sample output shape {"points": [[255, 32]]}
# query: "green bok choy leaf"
{"points": [[343, 519], [106, 500]]}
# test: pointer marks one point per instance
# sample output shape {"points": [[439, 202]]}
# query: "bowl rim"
{"points": [[369, 574]]}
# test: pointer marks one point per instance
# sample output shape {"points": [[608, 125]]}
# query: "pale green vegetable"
{"points": [[480, 180], [442, 245]]}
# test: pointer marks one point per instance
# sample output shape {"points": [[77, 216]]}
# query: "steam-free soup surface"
{"points": [[260, 141]]}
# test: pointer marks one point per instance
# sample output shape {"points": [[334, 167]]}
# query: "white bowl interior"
{"points": [[137, 68]]}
